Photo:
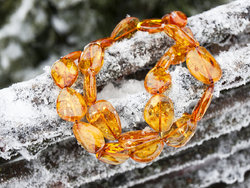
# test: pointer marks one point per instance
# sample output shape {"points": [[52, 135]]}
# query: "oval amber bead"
{"points": [[73, 55], [176, 17], [134, 140], [113, 153], [203, 66], [180, 36], [125, 28], [150, 25], [70, 105], [201, 107], [90, 137], [181, 131], [149, 152], [103, 115], [89, 87], [105, 42], [64, 72], [159, 113], [157, 80], [91, 58]]}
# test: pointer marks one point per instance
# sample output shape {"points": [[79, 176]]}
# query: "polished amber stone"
{"points": [[73, 55], [125, 28], [89, 87], [157, 80], [203, 66], [103, 115], [149, 152], [181, 131], [189, 32], [177, 18], [134, 140], [70, 105], [180, 36], [90, 137], [159, 113], [150, 25], [113, 153], [91, 58], [201, 107], [64, 72], [105, 42]]}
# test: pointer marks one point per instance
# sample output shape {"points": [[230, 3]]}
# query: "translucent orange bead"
{"points": [[188, 31], [203, 66], [89, 87], [103, 115], [150, 25], [90, 137], [64, 72], [176, 17], [180, 36], [134, 140], [91, 58], [113, 153], [125, 28], [159, 113], [149, 152], [105, 42], [70, 105], [201, 107], [181, 131], [157, 80], [73, 55]]}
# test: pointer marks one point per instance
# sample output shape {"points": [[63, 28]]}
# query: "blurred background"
{"points": [[34, 34]]}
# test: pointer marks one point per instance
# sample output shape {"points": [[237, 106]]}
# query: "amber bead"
{"points": [[180, 36], [113, 153], [157, 80], [90, 137], [201, 107], [203, 66], [134, 140], [150, 25], [125, 28], [189, 32], [89, 87], [91, 58], [149, 152], [103, 115], [64, 72], [105, 42], [70, 105], [73, 55], [181, 131], [176, 17], [159, 113]]}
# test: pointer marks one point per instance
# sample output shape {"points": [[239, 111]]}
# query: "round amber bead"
{"points": [[64, 72], [103, 115], [89, 87], [176, 17], [113, 153], [91, 58], [181, 131], [157, 80], [203, 66], [125, 28], [70, 105], [150, 25], [90, 137], [159, 113]]}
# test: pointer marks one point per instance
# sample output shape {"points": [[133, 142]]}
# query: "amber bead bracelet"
{"points": [[103, 120]]}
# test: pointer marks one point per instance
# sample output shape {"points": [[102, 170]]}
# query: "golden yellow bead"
{"points": [[159, 113], [91, 58], [203, 66], [181, 131], [90, 137], [89, 87], [103, 115], [71, 105], [64, 72], [150, 25], [113, 153], [201, 107], [157, 80], [125, 28]]}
